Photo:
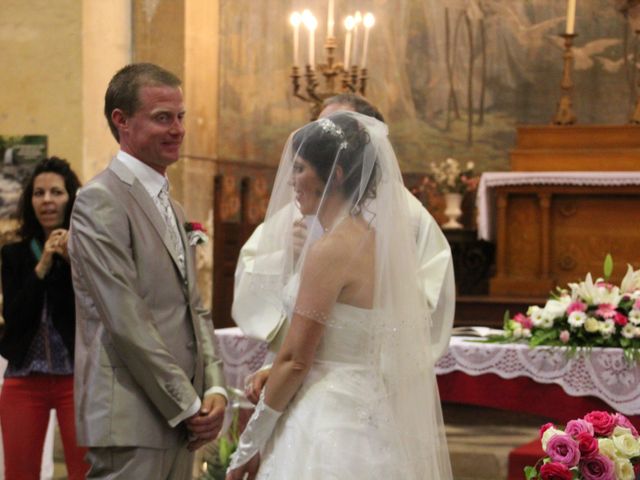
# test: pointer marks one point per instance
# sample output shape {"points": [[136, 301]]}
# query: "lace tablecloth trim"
{"points": [[603, 373]]}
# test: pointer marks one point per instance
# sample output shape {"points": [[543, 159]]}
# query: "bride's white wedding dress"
{"points": [[337, 426], [368, 408]]}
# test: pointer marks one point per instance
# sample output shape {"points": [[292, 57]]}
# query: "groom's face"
{"points": [[153, 133]]}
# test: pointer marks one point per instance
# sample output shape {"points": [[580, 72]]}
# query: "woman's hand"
{"points": [[56, 243], [255, 383], [250, 469]]}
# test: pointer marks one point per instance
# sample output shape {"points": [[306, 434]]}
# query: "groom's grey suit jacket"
{"points": [[144, 345]]}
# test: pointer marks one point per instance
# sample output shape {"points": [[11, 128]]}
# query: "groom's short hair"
{"points": [[124, 88]]}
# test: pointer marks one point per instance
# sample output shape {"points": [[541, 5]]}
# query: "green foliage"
{"points": [[218, 456], [608, 266], [530, 473]]}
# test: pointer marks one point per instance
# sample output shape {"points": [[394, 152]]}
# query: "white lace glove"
{"points": [[256, 433]]}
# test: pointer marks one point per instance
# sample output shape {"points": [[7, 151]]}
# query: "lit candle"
{"points": [[571, 16], [295, 20], [357, 19], [368, 22], [349, 23], [330, 19], [311, 23]]}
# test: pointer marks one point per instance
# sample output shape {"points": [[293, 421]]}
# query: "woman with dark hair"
{"points": [[39, 313], [352, 392]]}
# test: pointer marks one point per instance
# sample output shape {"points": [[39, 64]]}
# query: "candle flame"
{"points": [[358, 17], [310, 21], [349, 23], [295, 19], [369, 20]]}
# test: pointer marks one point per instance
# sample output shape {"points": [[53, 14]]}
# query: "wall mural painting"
{"points": [[452, 77]]}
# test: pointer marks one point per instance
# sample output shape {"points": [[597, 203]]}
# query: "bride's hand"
{"points": [[250, 469]]}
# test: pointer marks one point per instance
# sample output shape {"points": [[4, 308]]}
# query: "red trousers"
{"points": [[25, 403]]}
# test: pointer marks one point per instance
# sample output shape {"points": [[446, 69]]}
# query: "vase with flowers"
{"points": [[453, 181]]}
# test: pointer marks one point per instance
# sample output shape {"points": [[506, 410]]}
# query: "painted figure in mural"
{"points": [[149, 386], [39, 312], [353, 373], [262, 317]]}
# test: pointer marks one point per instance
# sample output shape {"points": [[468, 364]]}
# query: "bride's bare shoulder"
{"points": [[339, 246]]}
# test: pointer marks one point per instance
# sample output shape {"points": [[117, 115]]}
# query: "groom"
{"points": [[148, 384]]}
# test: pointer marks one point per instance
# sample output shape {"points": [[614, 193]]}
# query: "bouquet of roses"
{"points": [[587, 314], [599, 446]]}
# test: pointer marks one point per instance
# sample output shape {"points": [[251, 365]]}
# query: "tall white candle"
{"points": [[311, 23], [368, 22], [295, 22], [330, 19], [571, 16], [357, 20], [348, 25]]}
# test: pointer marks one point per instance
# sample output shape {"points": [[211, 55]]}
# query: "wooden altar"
{"points": [[552, 232]]}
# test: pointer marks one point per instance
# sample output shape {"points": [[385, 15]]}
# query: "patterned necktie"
{"points": [[172, 226]]}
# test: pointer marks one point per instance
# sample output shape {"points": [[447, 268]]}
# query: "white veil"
{"points": [[359, 204]]}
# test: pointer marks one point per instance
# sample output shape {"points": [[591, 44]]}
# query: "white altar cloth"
{"points": [[485, 198], [603, 373]]}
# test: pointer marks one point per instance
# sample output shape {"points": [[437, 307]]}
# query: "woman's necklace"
{"points": [[336, 222]]}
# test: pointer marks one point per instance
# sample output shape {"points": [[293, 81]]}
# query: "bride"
{"points": [[352, 392]]}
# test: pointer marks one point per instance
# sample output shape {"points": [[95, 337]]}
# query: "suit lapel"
{"points": [[147, 205]]}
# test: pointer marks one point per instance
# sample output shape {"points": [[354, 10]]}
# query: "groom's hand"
{"points": [[250, 468], [205, 425]]}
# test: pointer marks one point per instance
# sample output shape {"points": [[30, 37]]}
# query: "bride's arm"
{"points": [[322, 279]]}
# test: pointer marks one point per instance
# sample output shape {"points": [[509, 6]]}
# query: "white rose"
{"points": [[624, 441]]}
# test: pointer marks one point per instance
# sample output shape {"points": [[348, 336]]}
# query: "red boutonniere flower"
{"points": [[196, 233]]}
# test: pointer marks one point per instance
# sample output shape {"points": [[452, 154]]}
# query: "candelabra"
{"points": [[339, 77], [564, 112]]}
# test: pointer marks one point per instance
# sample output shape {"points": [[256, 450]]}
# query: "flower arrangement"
{"points": [[587, 314], [196, 233], [599, 446], [450, 177]]}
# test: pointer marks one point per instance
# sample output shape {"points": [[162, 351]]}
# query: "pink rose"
{"points": [[523, 320], [603, 422], [576, 306], [623, 421], [598, 467], [563, 449], [565, 336], [636, 305], [545, 427], [587, 444], [576, 427], [555, 471], [620, 319], [606, 310]]}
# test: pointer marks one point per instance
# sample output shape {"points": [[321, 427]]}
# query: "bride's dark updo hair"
{"points": [[340, 139]]}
